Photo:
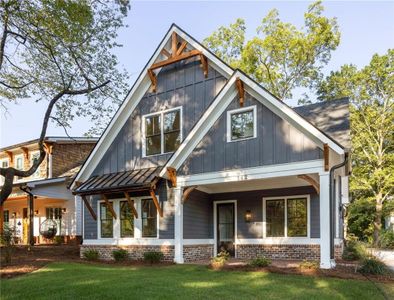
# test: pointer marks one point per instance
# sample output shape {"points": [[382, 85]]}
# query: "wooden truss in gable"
{"points": [[177, 54]]}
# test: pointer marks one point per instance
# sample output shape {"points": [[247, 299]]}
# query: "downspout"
{"points": [[27, 190], [332, 204]]}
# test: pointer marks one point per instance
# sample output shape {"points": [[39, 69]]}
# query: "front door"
{"points": [[225, 228]]}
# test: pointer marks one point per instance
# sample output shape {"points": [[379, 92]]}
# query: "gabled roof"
{"points": [[139, 88], [221, 101], [332, 117]]}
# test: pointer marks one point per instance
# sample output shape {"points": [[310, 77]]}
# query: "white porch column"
{"points": [[325, 261], [178, 239]]}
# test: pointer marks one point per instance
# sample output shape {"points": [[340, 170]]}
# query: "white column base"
{"points": [[178, 226]]}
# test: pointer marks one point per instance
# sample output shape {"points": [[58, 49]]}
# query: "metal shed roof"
{"points": [[119, 182]]}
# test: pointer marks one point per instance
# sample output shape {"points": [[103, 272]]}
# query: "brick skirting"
{"points": [[309, 252], [136, 252], [193, 253]]}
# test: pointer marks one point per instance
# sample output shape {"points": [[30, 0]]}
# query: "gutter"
{"points": [[332, 205]]}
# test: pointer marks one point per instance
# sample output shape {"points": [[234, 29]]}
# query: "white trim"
{"points": [[252, 108], [215, 238], [272, 171], [161, 114], [136, 93], [191, 242], [129, 242], [280, 241], [293, 239]]}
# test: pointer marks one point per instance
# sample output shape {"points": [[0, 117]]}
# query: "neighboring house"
{"points": [[48, 185], [199, 158], [389, 222]]}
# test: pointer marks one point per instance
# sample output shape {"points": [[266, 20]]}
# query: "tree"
{"points": [[281, 56], [58, 51], [371, 90]]}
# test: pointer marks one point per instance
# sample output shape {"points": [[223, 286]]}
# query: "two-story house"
{"points": [[200, 158], [48, 186]]}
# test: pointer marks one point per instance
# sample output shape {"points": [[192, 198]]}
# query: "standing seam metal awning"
{"points": [[120, 182]]}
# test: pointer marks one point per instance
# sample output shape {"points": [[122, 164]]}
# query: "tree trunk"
{"points": [[378, 219]]}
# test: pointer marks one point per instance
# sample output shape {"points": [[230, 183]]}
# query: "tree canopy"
{"points": [[61, 52], [281, 56]]}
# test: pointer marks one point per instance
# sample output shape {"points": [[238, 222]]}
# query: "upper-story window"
{"points": [[33, 158], [19, 161], [4, 163], [162, 132], [241, 124]]}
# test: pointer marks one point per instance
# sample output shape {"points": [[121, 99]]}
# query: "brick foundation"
{"points": [[135, 252], [309, 252], [193, 253]]}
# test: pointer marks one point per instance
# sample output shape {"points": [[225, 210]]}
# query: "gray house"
{"points": [[199, 158]]}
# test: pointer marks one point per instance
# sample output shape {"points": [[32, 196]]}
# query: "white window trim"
{"points": [[161, 113], [36, 174], [1, 165], [237, 111], [293, 238], [116, 238], [215, 238]]}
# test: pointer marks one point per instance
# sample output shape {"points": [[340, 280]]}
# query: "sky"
{"points": [[367, 27]]}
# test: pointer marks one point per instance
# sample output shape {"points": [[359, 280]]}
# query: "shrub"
{"points": [[372, 265], [153, 256], [58, 240], [386, 239], [91, 254], [218, 262], [260, 262], [119, 255], [7, 240], [354, 250], [224, 254], [309, 265]]}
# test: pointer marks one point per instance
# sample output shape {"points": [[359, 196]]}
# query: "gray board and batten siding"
{"points": [[181, 84], [198, 212], [277, 142]]}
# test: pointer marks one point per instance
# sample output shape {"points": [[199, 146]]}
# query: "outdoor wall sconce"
{"points": [[64, 210], [248, 216], [36, 212], [14, 214]]}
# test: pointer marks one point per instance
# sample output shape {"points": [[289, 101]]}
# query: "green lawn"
{"points": [[76, 281]]}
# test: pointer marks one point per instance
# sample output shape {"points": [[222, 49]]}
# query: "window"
{"points": [[241, 124], [297, 217], [275, 217], [149, 218], [33, 158], [54, 213], [6, 217], [106, 221], [4, 164], [162, 132], [287, 217], [126, 220], [19, 164]]}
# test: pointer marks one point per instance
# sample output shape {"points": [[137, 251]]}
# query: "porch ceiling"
{"points": [[251, 185]]}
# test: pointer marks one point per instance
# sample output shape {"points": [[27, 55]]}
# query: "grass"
{"points": [[91, 281]]}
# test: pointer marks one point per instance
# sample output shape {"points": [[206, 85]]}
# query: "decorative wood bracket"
{"points": [[156, 202], [89, 207], [326, 155], [25, 152], [10, 157], [109, 206], [241, 92], [187, 192], [131, 204], [177, 54], [311, 181], [48, 148], [172, 175]]}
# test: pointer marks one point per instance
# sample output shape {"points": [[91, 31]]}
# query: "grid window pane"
{"points": [[153, 135], [152, 125], [242, 125], [297, 217], [172, 121], [54, 213], [172, 141], [6, 217], [149, 218], [153, 145], [275, 218], [126, 220], [106, 221]]}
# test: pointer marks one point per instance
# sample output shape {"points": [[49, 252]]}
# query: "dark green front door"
{"points": [[225, 228]]}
